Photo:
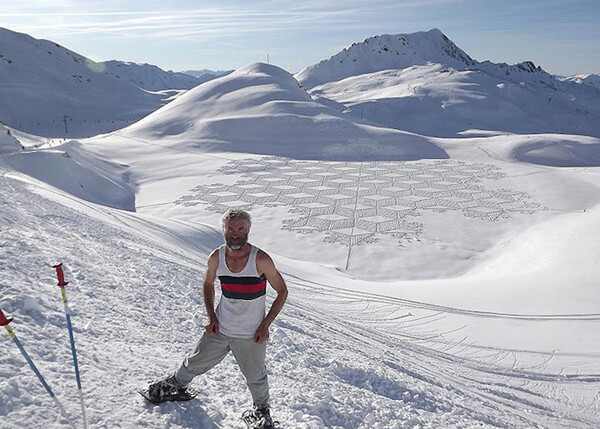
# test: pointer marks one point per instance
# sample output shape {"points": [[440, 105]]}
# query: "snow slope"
{"points": [[79, 174], [49, 90], [424, 83], [512, 344], [8, 143]]}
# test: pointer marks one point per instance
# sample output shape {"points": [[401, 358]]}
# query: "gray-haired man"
{"points": [[238, 324]]}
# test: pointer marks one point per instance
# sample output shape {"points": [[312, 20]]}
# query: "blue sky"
{"points": [[563, 36]]}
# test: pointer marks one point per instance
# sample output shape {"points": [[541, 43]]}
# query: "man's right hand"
{"points": [[212, 328]]}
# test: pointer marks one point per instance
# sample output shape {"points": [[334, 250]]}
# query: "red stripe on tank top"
{"points": [[231, 287]]}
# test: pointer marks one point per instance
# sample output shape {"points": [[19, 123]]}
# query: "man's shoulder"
{"points": [[262, 256], [214, 255]]}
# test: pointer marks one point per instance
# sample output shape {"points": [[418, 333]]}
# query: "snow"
{"points": [[435, 281]]}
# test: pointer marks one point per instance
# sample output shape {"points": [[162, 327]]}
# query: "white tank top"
{"points": [[243, 300]]}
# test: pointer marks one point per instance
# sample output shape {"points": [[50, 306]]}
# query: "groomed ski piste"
{"points": [[434, 282]]}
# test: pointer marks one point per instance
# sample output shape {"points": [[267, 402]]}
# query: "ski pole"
{"points": [[62, 283], [5, 322]]}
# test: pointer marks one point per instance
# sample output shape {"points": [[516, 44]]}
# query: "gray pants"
{"points": [[249, 355]]}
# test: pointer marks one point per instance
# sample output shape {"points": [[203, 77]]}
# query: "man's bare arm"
{"points": [[208, 292], [265, 265]]}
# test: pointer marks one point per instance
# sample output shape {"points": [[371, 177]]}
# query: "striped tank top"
{"points": [[243, 297]]}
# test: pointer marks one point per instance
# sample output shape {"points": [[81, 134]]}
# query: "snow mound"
{"points": [[548, 249], [73, 170], [52, 91], [559, 153], [262, 109], [8, 143]]}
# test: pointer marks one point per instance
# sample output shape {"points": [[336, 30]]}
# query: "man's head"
{"points": [[236, 225]]}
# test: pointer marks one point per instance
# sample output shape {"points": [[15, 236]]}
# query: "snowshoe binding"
{"points": [[259, 418], [168, 390]]}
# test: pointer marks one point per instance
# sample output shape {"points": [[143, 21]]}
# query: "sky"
{"points": [[561, 36]]}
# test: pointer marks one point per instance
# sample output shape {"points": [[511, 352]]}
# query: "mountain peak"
{"points": [[385, 52]]}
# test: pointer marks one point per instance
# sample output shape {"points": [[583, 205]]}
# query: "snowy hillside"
{"points": [[338, 358], [48, 90], [261, 109], [150, 77], [424, 83], [435, 282]]}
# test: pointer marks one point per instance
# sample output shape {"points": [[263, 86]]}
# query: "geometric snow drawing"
{"points": [[355, 202]]}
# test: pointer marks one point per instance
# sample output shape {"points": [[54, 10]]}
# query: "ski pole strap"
{"points": [[4, 321], [60, 275]]}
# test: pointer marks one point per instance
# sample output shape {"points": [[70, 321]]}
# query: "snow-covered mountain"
{"points": [[49, 90], [262, 109], [592, 80], [150, 77], [424, 83], [206, 74], [387, 52]]}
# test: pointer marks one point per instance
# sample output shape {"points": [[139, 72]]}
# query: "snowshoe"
{"points": [[259, 418], [168, 390]]}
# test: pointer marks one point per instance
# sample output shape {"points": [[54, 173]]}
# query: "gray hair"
{"points": [[235, 213]]}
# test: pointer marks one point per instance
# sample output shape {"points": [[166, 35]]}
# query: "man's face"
{"points": [[236, 233]]}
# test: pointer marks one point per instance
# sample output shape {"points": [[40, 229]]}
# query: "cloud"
{"points": [[236, 20]]}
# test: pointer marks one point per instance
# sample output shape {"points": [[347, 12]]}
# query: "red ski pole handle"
{"points": [[60, 275], [3, 320]]}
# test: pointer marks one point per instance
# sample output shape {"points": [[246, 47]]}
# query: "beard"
{"points": [[236, 243]]}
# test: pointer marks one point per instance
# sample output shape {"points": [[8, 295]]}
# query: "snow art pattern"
{"points": [[353, 202]]}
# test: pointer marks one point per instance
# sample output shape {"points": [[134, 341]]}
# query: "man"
{"points": [[239, 323]]}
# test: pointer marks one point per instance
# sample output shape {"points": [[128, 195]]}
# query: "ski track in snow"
{"points": [[337, 359]]}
